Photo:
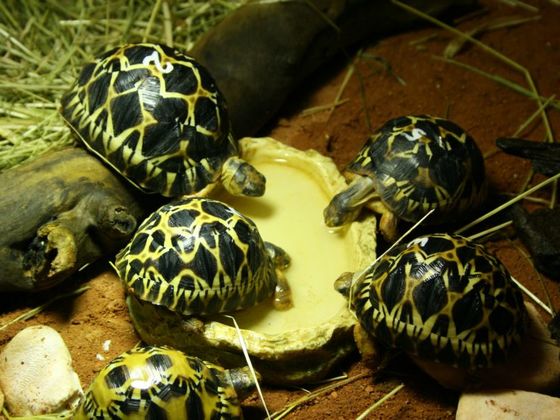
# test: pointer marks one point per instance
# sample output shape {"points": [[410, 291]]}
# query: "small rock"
{"points": [[106, 345], [534, 367], [507, 404], [36, 373], [540, 232]]}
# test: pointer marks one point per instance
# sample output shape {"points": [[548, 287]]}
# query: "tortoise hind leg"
{"points": [[388, 226], [346, 205], [281, 261]]}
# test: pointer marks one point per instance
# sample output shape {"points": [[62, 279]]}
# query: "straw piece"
{"points": [[379, 402], [249, 363], [393, 245], [292, 406], [539, 275], [490, 230], [319, 108], [521, 4], [498, 79], [489, 50], [533, 297], [509, 203], [457, 44]]}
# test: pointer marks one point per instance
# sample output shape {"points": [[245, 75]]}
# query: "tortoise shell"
{"points": [[162, 383], [197, 256], [443, 298], [419, 163], [155, 115]]}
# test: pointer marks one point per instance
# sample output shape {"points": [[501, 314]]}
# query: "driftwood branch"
{"points": [[545, 157], [59, 213]]}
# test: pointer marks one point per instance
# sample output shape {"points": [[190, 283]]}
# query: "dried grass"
{"points": [[44, 44]]}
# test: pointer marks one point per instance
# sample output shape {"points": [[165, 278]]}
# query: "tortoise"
{"points": [[198, 256], [409, 166], [156, 116], [442, 298], [158, 382]]}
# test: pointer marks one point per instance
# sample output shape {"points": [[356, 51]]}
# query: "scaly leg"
{"points": [[281, 261]]}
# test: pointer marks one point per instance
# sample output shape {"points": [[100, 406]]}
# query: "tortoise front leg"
{"points": [[281, 261]]}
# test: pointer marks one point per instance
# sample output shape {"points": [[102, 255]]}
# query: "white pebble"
{"points": [[106, 345], [36, 373], [507, 404]]}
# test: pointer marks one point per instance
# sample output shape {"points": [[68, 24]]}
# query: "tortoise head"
{"points": [[338, 213], [346, 205], [280, 258], [343, 283], [241, 178]]}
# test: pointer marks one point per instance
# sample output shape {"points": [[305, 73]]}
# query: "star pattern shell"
{"points": [[197, 256], [155, 115], [444, 298], [159, 382], [419, 163]]}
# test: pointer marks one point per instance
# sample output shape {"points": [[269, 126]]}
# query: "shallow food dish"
{"points": [[304, 343]]}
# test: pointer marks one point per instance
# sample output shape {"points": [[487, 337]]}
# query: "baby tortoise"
{"points": [[156, 116], [411, 165], [162, 383], [442, 298], [199, 256]]}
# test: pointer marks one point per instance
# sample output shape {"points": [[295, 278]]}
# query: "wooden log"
{"points": [[545, 157], [59, 213], [262, 51]]}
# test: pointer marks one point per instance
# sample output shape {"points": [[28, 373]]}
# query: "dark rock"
{"points": [[540, 232], [545, 157]]}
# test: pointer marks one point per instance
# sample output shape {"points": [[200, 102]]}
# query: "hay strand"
{"points": [[249, 363], [43, 46], [459, 43], [509, 203], [277, 415], [497, 54], [378, 403]]}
